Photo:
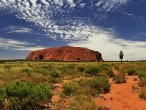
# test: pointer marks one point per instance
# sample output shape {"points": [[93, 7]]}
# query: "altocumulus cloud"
{"points": [[41, 13]]}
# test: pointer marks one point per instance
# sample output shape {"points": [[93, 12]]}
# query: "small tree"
{"points": [[121, 54], [98, 56]]}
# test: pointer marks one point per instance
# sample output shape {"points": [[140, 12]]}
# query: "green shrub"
{"points": [[104, 67], [18, 89], [15, 103], [66, 69], [142, 78], [131, 71], [2, 96], [143, 93], [54, 80], [70, 88], [25, 95], [43, 71], [110, 73], [142, 73], [92, 70], [120, 78], [40, 93], [54, 74], [94, 85], [85, 87], [26, 70], [71, 66], [83, 102], [48, 67], [81, 69], [100, 83], [142, 81]]}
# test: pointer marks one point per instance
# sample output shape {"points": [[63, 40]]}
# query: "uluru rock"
{"points": [[65, 53]]}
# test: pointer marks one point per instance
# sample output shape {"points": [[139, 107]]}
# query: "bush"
{"points": [[142, 78], [25, 95], [54, 77], [110, 73], [81, 69], [19, 89], [100, 83], [40, 93], [26, 70], [70, 88], [143, 93], [142, 73], [71, 66], [120, 78], [2, 96], [83, 102], [94, 86], [67, 69], [131, 71], [92, 70], [85, 87], [104, 67], [54, 74], [54, 80]]}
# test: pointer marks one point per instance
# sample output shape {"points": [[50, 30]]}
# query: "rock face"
{"points": [[65, 53]]}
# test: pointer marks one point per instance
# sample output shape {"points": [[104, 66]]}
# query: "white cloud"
{"points": [[134, 17], [110, 45], [31, 48], [59, 2], [18, 45], [109, 5], [41, 12], [17, 29], [71, 3]]}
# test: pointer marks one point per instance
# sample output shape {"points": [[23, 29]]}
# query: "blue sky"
{"points": [[104, 25]]}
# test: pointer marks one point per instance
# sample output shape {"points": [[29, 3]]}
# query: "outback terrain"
{"points": [[39, 85]]}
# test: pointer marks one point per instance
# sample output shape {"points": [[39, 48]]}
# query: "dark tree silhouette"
{"points": [[98, 56], [121, 54]]}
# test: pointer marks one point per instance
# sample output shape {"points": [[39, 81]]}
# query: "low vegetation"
{"points": [[29, 85], [92, 70], [70, 88], [83, 102], [120, 78], [131, 71], [142, 82], [24, 95]]}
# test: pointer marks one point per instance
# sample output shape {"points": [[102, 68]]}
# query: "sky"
{"points": [[107, 26]]}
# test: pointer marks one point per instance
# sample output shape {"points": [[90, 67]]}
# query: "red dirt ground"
{"points": [[121, 97], [57, 101]]}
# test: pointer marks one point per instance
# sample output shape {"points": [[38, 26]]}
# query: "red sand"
{"points": [[122, 97]]}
